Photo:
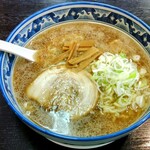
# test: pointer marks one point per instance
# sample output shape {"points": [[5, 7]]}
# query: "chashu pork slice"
{"points": [[62, 89]]}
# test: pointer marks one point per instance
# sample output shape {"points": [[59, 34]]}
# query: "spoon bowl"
{"points": [[17, 50]]}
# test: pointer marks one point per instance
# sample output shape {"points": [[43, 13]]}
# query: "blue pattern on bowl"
{"points": [[59, 14], [83, 13]]}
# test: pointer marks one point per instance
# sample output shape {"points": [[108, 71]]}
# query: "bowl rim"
{"points": [[46, 131]]}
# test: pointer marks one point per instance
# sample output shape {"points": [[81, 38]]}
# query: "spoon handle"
{"points": [[17, 50]]}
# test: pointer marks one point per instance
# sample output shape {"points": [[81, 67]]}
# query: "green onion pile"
{"points": [[120, 83]]}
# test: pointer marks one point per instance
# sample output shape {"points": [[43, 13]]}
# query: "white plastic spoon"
{"points": [[17, 50]]}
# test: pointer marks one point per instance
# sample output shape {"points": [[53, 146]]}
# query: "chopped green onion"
{"points": [[119, 81]]}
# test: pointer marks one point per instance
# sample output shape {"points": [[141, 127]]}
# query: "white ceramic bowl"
{"points": [[50, 16]]}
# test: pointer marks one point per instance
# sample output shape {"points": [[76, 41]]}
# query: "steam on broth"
{"points": [[90, 79]]}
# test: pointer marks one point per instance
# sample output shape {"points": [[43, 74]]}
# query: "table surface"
{"points": [[15, 135]]}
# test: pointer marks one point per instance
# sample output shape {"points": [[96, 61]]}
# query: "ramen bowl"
{"points": [[62, 13]]}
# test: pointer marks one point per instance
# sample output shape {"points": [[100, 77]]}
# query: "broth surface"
{"points": [[50, 43]]}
